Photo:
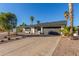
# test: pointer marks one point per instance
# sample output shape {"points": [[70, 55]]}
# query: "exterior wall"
{"points": [[42, 30], [47, 30], [23, 29], [14, 30], [33, 30]]}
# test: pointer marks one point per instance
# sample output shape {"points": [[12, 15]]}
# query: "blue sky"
{"points": [[44, 12]]}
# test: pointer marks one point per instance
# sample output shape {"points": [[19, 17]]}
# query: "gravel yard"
{"points": [[67, 47], [30, 46]]}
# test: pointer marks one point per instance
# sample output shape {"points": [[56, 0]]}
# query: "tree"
{"points": [[23, 25], [66, 14], [71, 18], [12, 19], [8, 21], [31, 19], [66, 30], [20, 27], [38, 22]]}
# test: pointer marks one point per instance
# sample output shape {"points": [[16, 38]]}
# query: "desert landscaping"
{"points": [[40, 46], [67, 47], [30, 33], [30, 46]]}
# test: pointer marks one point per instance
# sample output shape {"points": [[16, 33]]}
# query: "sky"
{"points": [[44, 12]]}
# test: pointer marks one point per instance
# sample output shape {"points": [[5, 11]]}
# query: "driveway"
{"points": [[30, 46]]}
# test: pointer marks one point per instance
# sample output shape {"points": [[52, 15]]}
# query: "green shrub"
{"points": [[19, 29], [66, 31]]}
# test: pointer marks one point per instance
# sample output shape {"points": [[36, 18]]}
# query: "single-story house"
{"points": [[48, 28]]}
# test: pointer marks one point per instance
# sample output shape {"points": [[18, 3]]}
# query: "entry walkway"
{"points": [[30, 46]]}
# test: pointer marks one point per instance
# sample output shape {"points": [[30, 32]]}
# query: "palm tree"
{"points": [[23, 25], [71, 18], [66, 15], [31, 19], [38, 22]]}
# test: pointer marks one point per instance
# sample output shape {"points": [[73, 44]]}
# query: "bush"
{"points": [[66, 31], [19, 29]]}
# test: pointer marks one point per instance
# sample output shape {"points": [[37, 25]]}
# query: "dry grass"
{"points": [[67, 47]]}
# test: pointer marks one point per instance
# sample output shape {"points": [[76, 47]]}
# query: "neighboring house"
{"points": [[48, 28]]}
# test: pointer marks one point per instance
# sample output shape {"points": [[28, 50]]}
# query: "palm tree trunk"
{"points": [[66, 22], [71, 18], [31, 22]]}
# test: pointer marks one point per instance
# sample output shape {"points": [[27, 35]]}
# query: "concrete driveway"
{"points": [[30, 46]]}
